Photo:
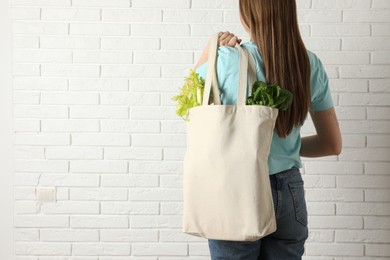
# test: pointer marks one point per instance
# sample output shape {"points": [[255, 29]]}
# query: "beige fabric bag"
{"points": [[226, 187]]}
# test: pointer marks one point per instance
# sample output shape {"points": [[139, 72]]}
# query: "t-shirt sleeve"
{"points": [[321, 97], [227, 73]]}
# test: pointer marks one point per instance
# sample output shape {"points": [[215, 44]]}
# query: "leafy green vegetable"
{"points": [[191, 94], [270, 95]]}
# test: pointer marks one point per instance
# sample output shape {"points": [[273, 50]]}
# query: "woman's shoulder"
{"points": [[226, 57], [228, 54], [251, 47], [318, 75], [316, 65], [314, 59]]}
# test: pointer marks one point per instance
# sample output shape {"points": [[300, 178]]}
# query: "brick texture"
{"points": [[93, 119]]}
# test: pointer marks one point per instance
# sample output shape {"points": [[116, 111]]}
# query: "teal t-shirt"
{"points": [[284, 153]]}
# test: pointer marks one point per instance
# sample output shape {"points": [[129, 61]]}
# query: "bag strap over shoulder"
{"points": [[245, 72], [243, 76], [211, 76]]}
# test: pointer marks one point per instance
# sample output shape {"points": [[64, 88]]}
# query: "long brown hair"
{"points": [[273, 25]]}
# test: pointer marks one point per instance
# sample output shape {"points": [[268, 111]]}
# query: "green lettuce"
{"points": [[270, 95]]}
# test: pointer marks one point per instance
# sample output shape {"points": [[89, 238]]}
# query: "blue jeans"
{"points": [[287, 242]]}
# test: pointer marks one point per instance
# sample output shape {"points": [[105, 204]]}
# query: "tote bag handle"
{"points": [[244, 73]]}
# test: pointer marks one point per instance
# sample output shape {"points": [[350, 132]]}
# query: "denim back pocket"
{"points": [[298, 194]]}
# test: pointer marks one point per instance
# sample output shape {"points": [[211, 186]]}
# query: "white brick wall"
{"points": [[93, 119]]}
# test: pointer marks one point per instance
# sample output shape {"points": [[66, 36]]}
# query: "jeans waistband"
{"points": [[285, 173]]}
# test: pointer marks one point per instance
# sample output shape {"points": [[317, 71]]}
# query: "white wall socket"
{"points": [[46, 195]]}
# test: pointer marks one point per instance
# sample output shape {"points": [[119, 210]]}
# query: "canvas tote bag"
{"points": [[226, 187]]}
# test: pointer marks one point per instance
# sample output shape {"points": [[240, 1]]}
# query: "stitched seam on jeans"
{"points": [[279, 206], [299, 214]]}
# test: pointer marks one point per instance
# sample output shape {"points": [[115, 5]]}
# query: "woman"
{"points": [[280, 57]]}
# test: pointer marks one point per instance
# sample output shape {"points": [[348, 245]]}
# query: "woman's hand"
{"points": [[228, 39]]}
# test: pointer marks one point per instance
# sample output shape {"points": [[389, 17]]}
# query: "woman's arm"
{"points": [[328, 139], [225, 38]]}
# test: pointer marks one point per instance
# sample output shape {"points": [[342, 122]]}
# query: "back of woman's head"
{"points": [[273, 26]]}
